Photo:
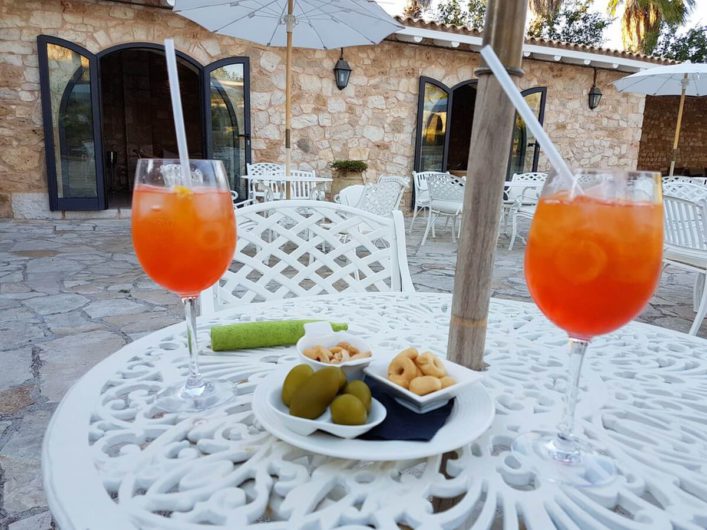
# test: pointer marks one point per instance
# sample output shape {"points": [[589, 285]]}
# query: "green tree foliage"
{"points": [[641, 20], [570, 22], [573, 23], [690, 45], [468, 14]]}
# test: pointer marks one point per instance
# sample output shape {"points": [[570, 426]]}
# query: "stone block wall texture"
{"points": [[373, 119], [659, 122]]}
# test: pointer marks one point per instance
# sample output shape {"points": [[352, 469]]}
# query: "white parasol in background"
{"points": [[318, 24], [685, 79]]}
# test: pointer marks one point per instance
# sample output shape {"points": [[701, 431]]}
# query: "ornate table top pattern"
{"points": [[112, 462]]}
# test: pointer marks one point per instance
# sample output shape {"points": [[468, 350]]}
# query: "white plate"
{"points": [[471, 415], [378, 370], [306, 427]]}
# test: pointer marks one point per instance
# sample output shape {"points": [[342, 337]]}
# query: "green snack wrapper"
{"points": [[245, 335]]}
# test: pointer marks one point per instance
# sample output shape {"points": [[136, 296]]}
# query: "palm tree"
{"points": [[641, 20], [543, 10]]}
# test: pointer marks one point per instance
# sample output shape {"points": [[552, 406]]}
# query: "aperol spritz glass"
{"points": [[184, 234], [592, 263]]}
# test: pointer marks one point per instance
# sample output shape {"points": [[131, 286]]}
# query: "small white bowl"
{"points": [[321, 334], [305, 427], [378, 370]]}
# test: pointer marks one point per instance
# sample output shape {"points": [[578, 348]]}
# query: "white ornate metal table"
{"points": [[112, 463]]}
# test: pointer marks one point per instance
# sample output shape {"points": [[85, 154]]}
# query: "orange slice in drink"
{"points": [[580, 261]]}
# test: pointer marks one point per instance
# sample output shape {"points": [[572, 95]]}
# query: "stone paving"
{"points": [[71, 293]]}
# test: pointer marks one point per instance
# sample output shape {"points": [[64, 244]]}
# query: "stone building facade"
{"points": [[373, 119], [659, 120]]}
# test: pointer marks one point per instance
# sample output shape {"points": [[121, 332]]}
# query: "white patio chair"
{"points": [[686, 245], [271, 191], [305, 258], [684, 189], [404, 183], [382, 198], [300, 187], [350, 195], [422, 194], [446, 200], [699, 181], [521, 198]]}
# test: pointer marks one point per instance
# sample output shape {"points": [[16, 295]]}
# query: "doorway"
{"points": [[444, 120], [137, 115], [102, 112]]}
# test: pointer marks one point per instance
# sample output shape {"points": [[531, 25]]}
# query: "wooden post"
{"points": [[676, 139], [504, 30]]}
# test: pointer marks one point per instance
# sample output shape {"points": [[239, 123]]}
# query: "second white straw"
{"points": [[174, 92], [525, 112]]}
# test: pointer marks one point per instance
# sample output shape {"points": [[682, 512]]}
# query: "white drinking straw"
{"points": [[525, 112], [177, 109]]}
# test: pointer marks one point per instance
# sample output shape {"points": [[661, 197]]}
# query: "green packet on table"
{"points": [[245, 335]]}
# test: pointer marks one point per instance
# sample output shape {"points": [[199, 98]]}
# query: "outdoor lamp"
{"points": [[342, 71], [594, 93]]}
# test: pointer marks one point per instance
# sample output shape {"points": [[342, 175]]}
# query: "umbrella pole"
{"points": [[677, 127], [288, 95], [486, 173]]}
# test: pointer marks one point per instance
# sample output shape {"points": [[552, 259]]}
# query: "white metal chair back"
{"points": [[350, 195], [445, 187], [685, 223], [273, 190], [529, 194], [381, 198], [422, 194], [404, 183], [300, 186], [684, 190], [292, 248], [700, 181]]}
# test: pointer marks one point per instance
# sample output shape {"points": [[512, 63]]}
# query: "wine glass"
{"points": [[184, 234], [592, 262]]}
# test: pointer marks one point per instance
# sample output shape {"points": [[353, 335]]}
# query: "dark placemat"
{"points": [[403, 424]]}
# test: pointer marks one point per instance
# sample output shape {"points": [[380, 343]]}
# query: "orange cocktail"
{"points": [[184, 237], [592, 264]]}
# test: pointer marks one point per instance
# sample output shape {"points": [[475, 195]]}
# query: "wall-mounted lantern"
{"points": [[342, 72], [594, 93]]}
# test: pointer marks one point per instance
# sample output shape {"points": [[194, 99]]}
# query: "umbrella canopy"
{"points": [[686, 79], [314, 24]]}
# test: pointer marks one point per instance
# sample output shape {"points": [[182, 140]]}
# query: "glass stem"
{"points": [[194, 381], [566, 426]]}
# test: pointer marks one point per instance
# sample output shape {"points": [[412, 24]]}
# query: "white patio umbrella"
{"points": [[318, 24], [685, 79]]}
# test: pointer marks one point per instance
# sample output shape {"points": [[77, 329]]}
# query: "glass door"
{"points": [[525, 149], [227, 114], [72, 131], [432, 124]]}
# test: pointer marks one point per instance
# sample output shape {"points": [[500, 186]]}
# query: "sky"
{"points": [[613, 33]]}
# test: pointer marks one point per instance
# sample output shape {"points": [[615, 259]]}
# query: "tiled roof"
{"points": [[449, 28]]}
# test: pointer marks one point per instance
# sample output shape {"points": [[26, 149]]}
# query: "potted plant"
{"points": [[347, 173]]}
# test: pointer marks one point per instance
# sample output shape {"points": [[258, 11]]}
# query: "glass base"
{"points": [[185, 398], [563, 461]]}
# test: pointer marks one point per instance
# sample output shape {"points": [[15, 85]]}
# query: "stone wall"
{"points": [[660, 118], [373, 119]]}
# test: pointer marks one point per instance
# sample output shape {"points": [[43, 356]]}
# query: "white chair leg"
{"points": [[459, 226], [701, 311], [433, 225], [430, 222], [414, 216], [698, 290], [514, 229], [454, 229]]}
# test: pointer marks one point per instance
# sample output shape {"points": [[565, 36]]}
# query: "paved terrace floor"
{"points": [[71, 293]]}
